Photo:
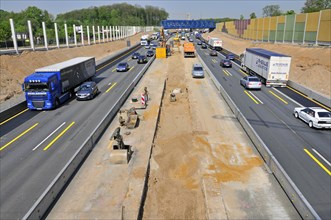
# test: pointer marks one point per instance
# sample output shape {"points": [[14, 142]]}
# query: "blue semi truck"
{"points": [[50, 86]]}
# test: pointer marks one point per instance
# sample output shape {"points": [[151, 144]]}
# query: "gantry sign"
{"points": [[192, 24]]}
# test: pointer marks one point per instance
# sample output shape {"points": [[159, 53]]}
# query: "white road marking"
{"points": [[48, 136], [325, 160], [109, 84], [255, 97]]}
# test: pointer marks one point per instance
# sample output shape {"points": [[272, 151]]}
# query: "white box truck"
{"points": [[272, 68], [215, 43]]}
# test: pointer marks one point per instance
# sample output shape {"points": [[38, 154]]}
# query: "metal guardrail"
{"points": [[298, 200], [309, 92], [41, 206]]}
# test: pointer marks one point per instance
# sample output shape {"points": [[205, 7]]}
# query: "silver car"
{"points": [[251, 82], [316, 117], [197, 71]]}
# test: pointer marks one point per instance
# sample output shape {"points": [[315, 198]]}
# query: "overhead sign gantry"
{"points": [[191, 24]]}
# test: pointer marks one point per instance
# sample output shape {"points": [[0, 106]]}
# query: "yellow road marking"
{"points": [[13, 116], [278, 97], [317, 161], [129, 59], [55, 139], [115, 60], [228, 72], [225, 72], [111, 87], [114, 70], [243, 72], [12, 141], [327, 108], [251, 97], [131, 68]]}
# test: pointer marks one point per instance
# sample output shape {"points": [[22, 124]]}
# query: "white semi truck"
{"points": [[145, 40], [215, 43], [272, 68]]}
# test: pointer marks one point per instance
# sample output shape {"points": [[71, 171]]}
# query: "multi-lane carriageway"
{"points": [[35, 145]]}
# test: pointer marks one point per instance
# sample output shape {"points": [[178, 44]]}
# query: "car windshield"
{"points": [[85, 88], [36, 87], [253, 80], [226, 61], [324, 114], [122, 64], [198, 68]]}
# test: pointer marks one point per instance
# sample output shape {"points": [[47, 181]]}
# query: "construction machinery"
{"points": [[120, 152]]}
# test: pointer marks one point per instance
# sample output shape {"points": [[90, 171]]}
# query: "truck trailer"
{"points": [[52, 85], [272, 68], [145, 40], [189, 49], [215, 43]]}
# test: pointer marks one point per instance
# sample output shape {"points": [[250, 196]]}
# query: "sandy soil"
{"points": [[311, 66], [14, 68]]}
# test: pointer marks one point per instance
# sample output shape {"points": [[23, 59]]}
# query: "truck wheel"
{"points": [[57, 103]]}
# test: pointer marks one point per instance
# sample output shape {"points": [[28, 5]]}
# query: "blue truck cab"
{"points": [[50, 86]]}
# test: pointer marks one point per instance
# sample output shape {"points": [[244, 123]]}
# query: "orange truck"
{"points": [[189, 49]]}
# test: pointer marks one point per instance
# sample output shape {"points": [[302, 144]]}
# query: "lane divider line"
{"points": [[325, 160], [251, 97], [12, 141], [243, 72], [228, 72], [13, 116], [225, 73], [48, 136], [131, 68], [255, 97], [289, 98], [114, 70], [111, 87], [318, 162], [57, 137], [278, 97]]}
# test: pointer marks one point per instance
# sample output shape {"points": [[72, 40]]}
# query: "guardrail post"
{"points": [[93, 30], [318, 27], [99, 34], [110, 34], [31, 35], [82, 34], [103, 33], [13, 34], [45, 35], [56, 36], [107, 33], [66, 33]]}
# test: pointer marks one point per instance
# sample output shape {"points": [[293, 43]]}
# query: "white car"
{"points": [[316, 117], [251, 82]]}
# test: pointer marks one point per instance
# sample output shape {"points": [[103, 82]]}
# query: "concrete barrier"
{"points": [[44, 202], [298, 200]]}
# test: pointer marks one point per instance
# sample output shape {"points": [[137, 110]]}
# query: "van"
{"points": [[197, 71]]}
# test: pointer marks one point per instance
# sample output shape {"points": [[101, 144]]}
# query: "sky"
{"points": [[177, 9]]}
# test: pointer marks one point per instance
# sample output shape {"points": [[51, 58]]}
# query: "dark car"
{"points": [[122, 67], [204, 46], [230, 56], [88, 90], [150, 53], [142, 59], [135, 55], [199, 42], [226, 63], [213, 53]]}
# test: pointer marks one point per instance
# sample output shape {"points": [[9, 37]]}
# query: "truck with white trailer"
{"points": [[215, 43], [272, 68]]}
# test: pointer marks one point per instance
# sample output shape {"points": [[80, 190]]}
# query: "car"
{"points": [[230, 56], [142, 59], [197, 71], [199, 42], [204, 46], [213, 53], [147, 46], [225, 63], [183, 37], [150, 53], [135, 55], [316, 117], [190, 39], [251, 82], [122, 67], [86, 91]]}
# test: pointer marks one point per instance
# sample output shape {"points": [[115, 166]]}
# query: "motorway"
{"points": [[36, 145], [304, 153]]}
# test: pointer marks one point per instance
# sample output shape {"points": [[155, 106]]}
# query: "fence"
{"points": [[308, 28]]}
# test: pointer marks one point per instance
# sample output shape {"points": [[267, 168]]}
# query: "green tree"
{"points": [[315, 5], [290, 12], [252, 15], [271, 10], [241, 17]]}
